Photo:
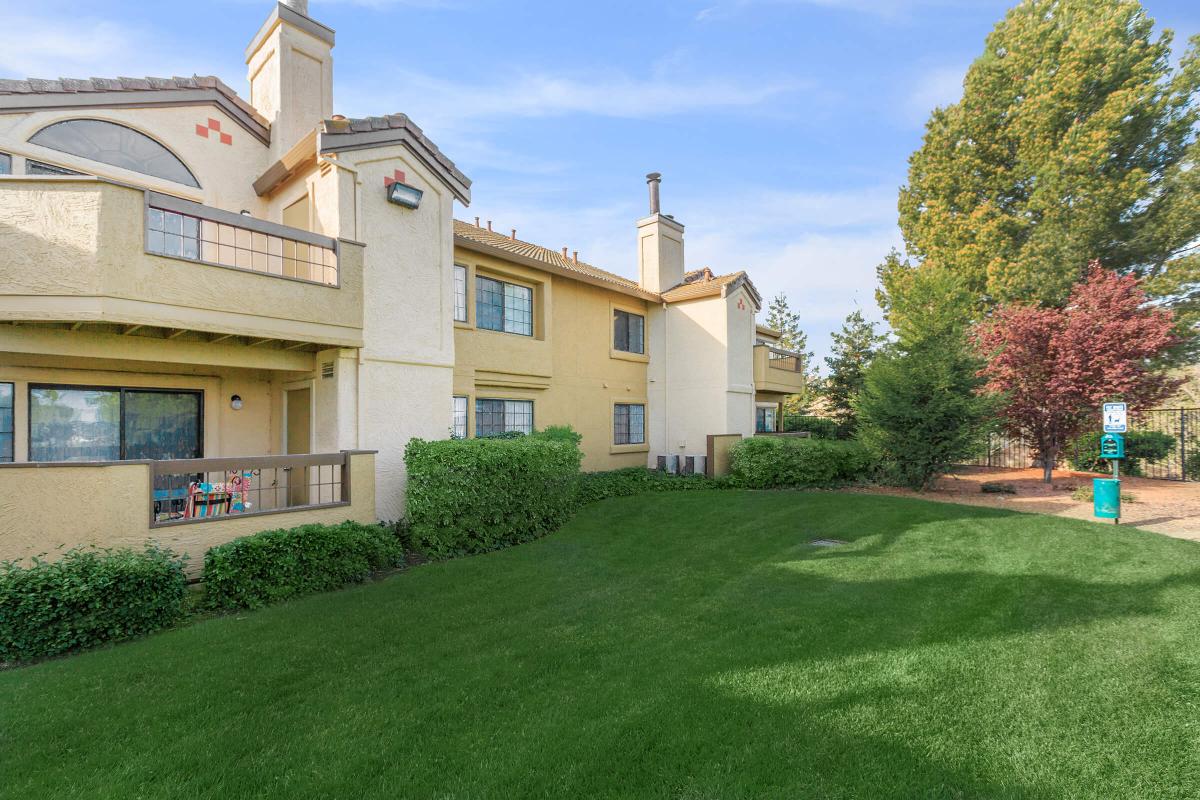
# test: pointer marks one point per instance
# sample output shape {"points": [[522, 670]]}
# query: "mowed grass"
{"points": [[692, 645]]}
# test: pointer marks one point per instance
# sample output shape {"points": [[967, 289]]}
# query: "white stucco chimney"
{"points": [[660, 245], [289, 64]]}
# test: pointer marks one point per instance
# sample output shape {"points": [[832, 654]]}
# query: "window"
{"points": [[493, 417], [629, 332], [5, 164], [503, 306], [629, 423], [41, 168], [110, 143], [6, 422], [460, 293], [458, 417], [765, 419], [68, 423]]}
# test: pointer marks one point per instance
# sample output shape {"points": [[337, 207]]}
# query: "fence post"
{"points": [[1183, 476]]}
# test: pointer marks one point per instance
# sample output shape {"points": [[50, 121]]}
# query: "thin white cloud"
{"points": [[936, 88], [434, 101], [879, 8]]}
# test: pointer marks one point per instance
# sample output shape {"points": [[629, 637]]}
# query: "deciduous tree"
{"points": [[1055, 367], [1075, 139]]}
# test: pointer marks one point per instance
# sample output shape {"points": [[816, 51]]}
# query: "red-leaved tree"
{"points": [[1054, 367]]}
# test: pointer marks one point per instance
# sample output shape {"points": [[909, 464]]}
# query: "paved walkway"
{"points": [[1167, 507]]}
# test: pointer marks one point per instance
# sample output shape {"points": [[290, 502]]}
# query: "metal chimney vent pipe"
{"points": [[654, 179], [299, 6]]}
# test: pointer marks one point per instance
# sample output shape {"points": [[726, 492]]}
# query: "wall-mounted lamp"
{"points": [[404, 195], [235, 402]]}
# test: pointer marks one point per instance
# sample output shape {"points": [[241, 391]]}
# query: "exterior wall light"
{"points": [[404, 195], [235, 402]]}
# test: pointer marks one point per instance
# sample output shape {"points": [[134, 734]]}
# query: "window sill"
{"points": [[640, 358], [617, 449], [461, 325]]}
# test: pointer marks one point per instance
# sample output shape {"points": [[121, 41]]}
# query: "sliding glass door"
{"points": [[77, 423]]}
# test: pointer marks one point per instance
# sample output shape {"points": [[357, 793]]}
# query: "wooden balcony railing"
{"points": [[787, 360], [182, 229]]}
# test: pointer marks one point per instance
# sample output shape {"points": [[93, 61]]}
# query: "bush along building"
{"points": [[214, 308]]}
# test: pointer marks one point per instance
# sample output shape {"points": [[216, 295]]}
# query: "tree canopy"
{"points": [[1074, 140], [851, 353]]}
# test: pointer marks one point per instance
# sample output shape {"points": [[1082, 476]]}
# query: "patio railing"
{"points": [[200, 489], [182, 229]]}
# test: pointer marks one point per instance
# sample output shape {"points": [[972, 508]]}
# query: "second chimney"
{"points": [[654, 179]]}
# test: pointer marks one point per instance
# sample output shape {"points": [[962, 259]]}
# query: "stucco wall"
{"points": [[74, 250], [568, 368], [46, 510]]}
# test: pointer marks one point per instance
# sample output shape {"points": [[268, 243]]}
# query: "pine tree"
{"points": [[781, 317], [853, 349], [1074, 140]]}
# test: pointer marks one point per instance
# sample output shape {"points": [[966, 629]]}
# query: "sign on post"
{"points": [[1115, 417]]}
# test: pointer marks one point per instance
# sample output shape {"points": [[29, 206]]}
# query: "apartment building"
{"points": [[215, 308]]}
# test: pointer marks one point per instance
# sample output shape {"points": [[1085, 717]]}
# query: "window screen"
{"points": [[460, 293], [6, 422], [458, 417], [628, 332], [503, 306], [629, 423], [493, 417], [110, 143]]}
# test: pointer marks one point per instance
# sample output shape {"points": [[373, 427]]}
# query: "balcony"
{"points": [[84, 253], [778, 371]]}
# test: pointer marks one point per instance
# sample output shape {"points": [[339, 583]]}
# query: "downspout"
{"points": [[666, 382]]}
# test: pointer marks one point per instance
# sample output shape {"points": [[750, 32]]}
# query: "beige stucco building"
{"points": [[214, 288]]}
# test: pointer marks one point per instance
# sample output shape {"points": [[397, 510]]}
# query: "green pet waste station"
{"points": [[1106, 492]]}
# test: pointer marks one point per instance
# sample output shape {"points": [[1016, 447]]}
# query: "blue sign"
{"points": [[1115, 418]]}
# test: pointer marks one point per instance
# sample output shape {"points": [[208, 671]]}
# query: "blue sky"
{"points": [[782, 127]]}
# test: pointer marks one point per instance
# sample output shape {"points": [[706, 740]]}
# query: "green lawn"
{"points": [[689, 645]]}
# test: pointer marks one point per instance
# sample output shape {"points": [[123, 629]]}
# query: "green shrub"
{"points": [[1140, 446], [86, 598], [595, 486], [475, 495], [817, 427], [255, 571], [777, 462]]}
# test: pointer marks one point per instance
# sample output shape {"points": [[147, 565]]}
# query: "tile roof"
{"points": [[696, 284], [472, 233], [89, 85], [332, 128]]}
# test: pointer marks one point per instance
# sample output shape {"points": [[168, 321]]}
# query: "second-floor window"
{"points": [[5, 164], [629, 423], [460, 293], [629, 332], [501, 306]]}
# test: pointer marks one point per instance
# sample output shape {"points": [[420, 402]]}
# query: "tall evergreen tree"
{"points": [[853, 349], [781, 317], [1074, 140]]}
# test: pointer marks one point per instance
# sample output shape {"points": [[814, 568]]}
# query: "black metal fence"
{"points": [[1162, 443]]}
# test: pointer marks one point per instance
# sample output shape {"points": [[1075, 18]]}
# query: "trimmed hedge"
{"points": [[779, 462], [267, 567], [475, 495], [595, 486], [87, 598]]}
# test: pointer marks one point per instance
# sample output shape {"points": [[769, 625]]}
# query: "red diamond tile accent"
{"points": [[397, 177], [226, 138], [202, 130], [215, 124]]}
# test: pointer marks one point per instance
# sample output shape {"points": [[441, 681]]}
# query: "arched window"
{"points": [[110, 143]]}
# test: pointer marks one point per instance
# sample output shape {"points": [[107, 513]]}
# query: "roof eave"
{"points": [[459, 184]]}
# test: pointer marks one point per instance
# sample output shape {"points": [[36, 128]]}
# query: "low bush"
{"points": [[817, 427], [595, 486], [777, 462], [87, 598], [1140, 446], [255, 571], [475, 495]]}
